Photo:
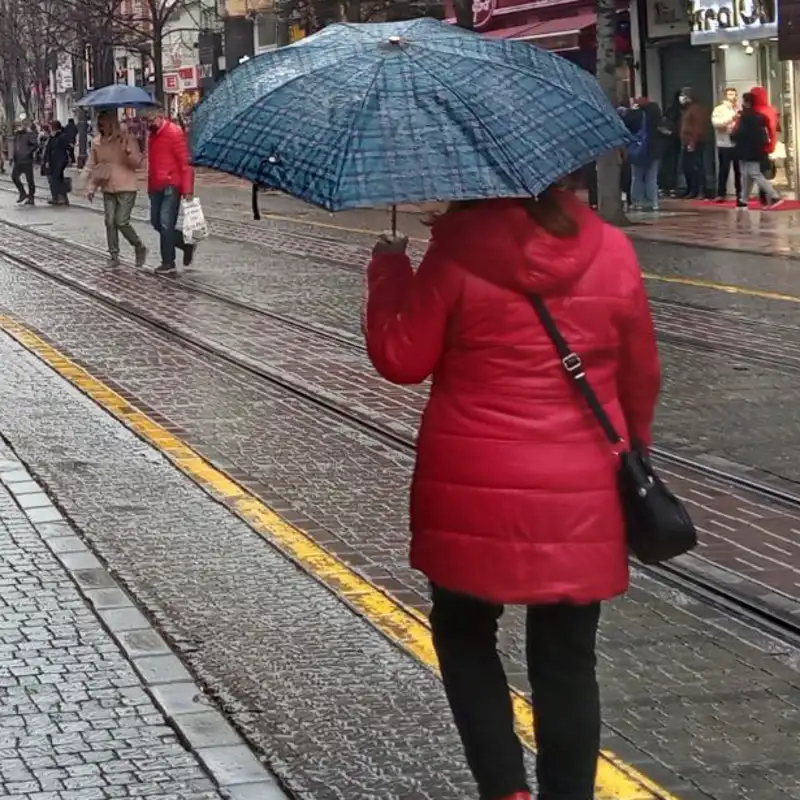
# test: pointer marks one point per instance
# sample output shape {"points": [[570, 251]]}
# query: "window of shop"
{"points": [[266, 30]]}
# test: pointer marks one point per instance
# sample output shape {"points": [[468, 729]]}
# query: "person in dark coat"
{"points": [[668, 178], [751, 141], [71, 133], [54, 164], [695, 126], [24, 151], [644, 120]]}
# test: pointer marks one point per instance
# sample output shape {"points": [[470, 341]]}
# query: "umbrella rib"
{"points": [[303, 76], [420, 45], [356, 118], [477, 119]]}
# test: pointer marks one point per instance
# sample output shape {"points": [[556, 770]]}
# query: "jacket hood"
{"points": [[760, 99], [497, 240]]}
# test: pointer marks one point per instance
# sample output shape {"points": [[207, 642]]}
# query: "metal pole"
{"points": [[283, 14]]}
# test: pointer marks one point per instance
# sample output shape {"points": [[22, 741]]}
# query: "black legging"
{"points": [[560, 647]]}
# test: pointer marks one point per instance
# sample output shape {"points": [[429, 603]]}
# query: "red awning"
{"points": [[554, 34]]}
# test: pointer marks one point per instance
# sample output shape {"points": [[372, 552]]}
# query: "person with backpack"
{"points": [[644, 153]]}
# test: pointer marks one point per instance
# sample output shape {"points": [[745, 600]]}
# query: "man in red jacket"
{"points": [[169, 180]]}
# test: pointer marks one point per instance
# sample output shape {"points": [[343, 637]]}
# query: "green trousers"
{"points": [[117, 208]]}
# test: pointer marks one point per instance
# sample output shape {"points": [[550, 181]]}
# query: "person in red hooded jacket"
{"points": [[514, 497], [762, 105], [770, 113]]}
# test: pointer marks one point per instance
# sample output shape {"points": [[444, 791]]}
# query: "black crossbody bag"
{"points": [[657, 523]]}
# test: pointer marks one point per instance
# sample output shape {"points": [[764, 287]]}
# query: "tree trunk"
{"points": [[352, 10], [609, 194], [464, 16], [158, 64]]}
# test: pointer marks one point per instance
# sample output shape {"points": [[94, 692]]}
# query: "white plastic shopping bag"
{"points": [[192, 221]]}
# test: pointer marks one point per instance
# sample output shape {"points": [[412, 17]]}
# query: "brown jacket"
{"points": [[694, 124], [113, 162]]}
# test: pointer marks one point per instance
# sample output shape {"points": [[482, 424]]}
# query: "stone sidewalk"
{"points": [[93, 704]]}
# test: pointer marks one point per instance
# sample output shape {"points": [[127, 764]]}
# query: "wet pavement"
{"points": [[80, 671], [706, 705], [348, 488], [300, 325]]}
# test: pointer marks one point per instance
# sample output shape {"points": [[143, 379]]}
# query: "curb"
{"points": [[201, 728]]}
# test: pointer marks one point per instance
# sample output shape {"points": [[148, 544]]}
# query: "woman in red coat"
{"points": [[514, 497]]}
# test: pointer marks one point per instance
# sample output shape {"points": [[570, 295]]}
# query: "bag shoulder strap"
{"points": [[573, 366]]}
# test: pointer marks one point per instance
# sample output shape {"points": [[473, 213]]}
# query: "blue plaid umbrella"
{"points": [[372, 115]]}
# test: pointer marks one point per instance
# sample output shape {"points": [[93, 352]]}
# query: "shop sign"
{"points": [[187, 79], [63, 82], [666, 18], [171, 83], [732, 20], [482, 13]]}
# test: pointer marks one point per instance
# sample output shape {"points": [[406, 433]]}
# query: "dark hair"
{"points": [[748, 98], [545, 210]]}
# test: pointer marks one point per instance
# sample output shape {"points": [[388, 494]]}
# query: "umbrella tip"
{"points": [[397, 41]]}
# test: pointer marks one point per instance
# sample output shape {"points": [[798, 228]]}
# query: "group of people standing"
{"points": [[114, 159], [52, 148], [664, 144]]}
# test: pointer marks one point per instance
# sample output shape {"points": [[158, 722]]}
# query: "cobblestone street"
{"points": [[227, 453], [78, 719]]}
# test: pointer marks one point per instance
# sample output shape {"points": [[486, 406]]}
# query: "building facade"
{"points": [[742, 38]]}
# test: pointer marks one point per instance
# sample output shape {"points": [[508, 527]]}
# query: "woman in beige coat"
{"points": [[112, 166]]}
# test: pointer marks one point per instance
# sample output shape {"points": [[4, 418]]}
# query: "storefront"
{"points": [[743, 37], [182, 90], [567, 27]]}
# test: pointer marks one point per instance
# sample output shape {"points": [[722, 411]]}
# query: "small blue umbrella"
{"points": [[117, 96], [378, 114]]}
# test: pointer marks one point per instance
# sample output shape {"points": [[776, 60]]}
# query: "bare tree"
{"points": [[609, 196], [28, 42]]}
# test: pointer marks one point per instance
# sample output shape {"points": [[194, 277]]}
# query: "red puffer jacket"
{"points": [[514, 497], [770, 113], [168, 160]]}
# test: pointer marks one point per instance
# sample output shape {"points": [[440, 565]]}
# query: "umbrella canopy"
{"points": [[117, 96], [376, 114]]}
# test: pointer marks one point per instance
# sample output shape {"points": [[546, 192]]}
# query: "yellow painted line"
{"points": [[729, 288], [698, 283], [407, 627]]}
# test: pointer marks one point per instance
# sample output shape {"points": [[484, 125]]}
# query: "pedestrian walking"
{"points": [[695, 121], [169, 179], [515, 497], [752, 138], [113, 161], [71, 134], [644, 120], [668, 179], [54, 164], [25, 144], [723, 119], [762, 105]]}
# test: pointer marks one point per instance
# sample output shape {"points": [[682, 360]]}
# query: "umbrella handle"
{"points": [[394, 222]]}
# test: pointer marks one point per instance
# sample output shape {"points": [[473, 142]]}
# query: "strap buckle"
{"points": [[573, 365]]}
